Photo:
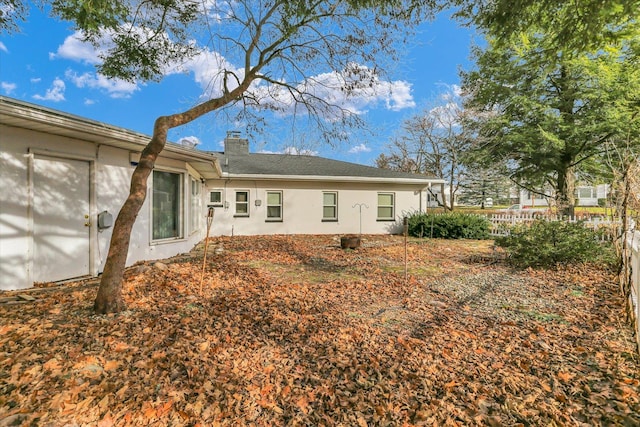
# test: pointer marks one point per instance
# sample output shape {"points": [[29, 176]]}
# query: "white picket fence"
{"points": [[501, 224], [633, 266]]}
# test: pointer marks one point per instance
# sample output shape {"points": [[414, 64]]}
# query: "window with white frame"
{"points": [[242, 203], [274, 205], [586, 192], [330, 206], [196, 205], [215, 198], [166, 212], [386, 206]]}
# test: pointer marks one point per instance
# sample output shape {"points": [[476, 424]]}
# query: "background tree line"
{"points": [[540, 110]]}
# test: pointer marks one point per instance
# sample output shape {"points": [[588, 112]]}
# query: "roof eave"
{"points": [[425, 182], [29, 116]]}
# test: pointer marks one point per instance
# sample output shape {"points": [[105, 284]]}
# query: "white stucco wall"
{"points": [[528, 199], [110, 172], [110, 179], [302, 207]]}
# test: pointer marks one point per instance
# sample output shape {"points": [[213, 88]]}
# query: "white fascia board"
{"points": [[19, 113], [425, 182], [52, 120]]}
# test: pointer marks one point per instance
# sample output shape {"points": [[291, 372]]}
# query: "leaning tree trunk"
{"points": [[109, 298]]}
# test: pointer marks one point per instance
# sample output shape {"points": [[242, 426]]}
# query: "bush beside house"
{"points": [[449, 226]]}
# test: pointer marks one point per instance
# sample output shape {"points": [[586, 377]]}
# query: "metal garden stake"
{"points": [[405, 223], [360, 205], [206, 245]]}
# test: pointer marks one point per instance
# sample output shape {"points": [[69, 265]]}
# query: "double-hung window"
{"points": [[386, 206], [242, 203], [215, 198], [330, 206], [166, 212], [274, 205]]}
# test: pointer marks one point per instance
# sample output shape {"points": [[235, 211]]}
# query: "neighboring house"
{"points": [[589, 195], [584, 196], [64, 179], [529, 199], [58, 172], [295, 194]]}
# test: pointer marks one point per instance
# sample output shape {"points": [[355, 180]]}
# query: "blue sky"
{"points": [[44, 65]]}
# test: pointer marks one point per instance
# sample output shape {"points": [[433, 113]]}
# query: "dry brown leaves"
{"points": [[295, 331]]}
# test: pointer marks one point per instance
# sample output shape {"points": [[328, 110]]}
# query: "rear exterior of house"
{"points": [[64, 179], [295, 194]]}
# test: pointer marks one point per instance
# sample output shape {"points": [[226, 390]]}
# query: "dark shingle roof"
{"points": [[288, 165]]}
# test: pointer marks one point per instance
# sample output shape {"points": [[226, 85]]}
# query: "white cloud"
{"points": [[189, 141], [451, 93], [212, 71], [35, 80], [88, 101], [55, 93], [355, 89], [8, 88], [399, 96], [447, 113], [115, 87], [295, 151], [75, 49], [3, 48], [361, 148], [208, 70], [300, 152]]}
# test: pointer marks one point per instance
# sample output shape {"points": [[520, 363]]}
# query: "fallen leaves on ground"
{"points": [[293, 330]]}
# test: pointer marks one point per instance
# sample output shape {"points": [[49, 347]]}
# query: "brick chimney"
{"points": [[234, 144]]}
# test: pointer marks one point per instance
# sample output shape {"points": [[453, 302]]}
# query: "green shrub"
{"points": [[449, 226], [549, 243]]}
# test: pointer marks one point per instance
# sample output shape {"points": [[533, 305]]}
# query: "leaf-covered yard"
{"points": [[296, 331]]}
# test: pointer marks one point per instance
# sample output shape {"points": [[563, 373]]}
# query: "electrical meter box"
{"points": [[105, 220]]}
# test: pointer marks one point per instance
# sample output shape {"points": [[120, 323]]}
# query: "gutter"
{"points": [[425, 182], [58, 123]]}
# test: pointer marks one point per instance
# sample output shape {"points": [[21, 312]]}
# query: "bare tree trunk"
{"points": [[451, 196], [109, 298], [565, 198]]}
